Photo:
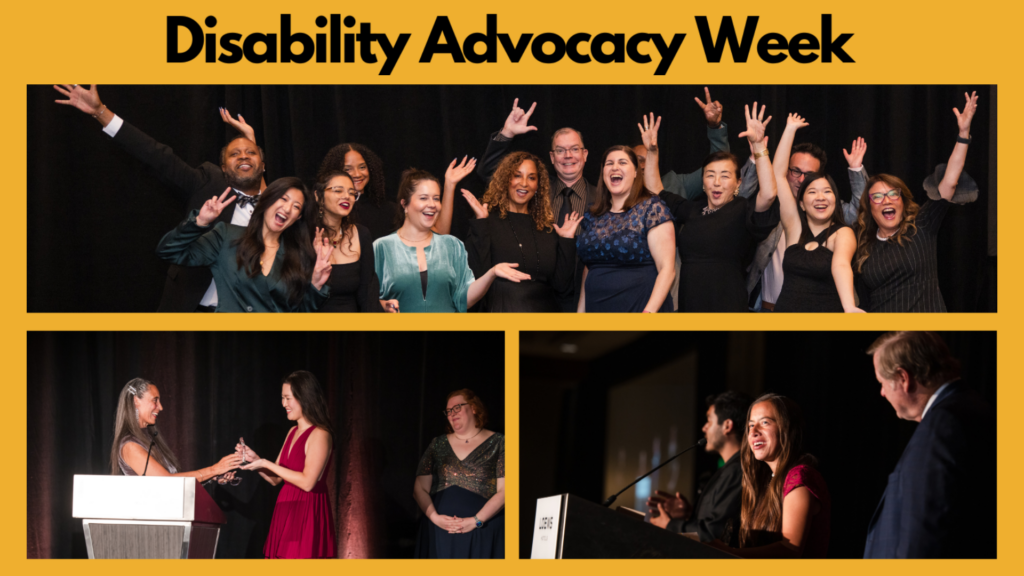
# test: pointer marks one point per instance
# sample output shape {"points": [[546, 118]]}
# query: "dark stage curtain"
{"points": [[386, 393], [95, 214]]}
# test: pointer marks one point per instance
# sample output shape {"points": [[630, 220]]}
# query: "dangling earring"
{"points": [[320, 210]]}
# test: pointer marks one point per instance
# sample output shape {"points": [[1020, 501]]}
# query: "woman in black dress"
{"points": [[719, 232], [819, 245], [353, 281], [373, 210], [896, 238], [515, 224]]}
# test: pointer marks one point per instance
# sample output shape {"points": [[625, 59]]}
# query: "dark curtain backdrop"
{"points": [[95, 214], [386, 393], [850, 427]]}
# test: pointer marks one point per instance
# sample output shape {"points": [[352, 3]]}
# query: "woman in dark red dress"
{"points": [[303, 524]]}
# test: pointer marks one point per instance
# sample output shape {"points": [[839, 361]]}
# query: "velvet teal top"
{"points": [[448, 274], [193, 245]]}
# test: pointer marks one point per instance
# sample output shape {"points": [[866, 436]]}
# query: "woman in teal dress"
{"points": [[421, 271], [271, 265]]}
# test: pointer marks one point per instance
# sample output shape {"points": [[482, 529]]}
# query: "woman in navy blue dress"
{"points": [[626, 242]]}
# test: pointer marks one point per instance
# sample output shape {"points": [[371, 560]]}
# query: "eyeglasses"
{"points": [[893, 195], [455, 409], [340, 189], [575, 150], [798, 173]]}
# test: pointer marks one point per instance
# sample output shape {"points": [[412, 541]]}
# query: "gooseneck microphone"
{"points": [[611, 499], [153, 432]]}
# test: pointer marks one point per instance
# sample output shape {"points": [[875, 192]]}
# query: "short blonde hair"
{"points": [[923, 354]]}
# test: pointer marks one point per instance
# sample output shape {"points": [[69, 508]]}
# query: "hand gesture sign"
{"points": [[568, 228], [456, 173], [796, 122], [518, 121], [855, 157], [509, 272], [322, 268], [751, 145], [649, 131], [87, 101], [712, 110], [755, 124], [963, 119], [480, 211], [214, 206], [243, 128]]}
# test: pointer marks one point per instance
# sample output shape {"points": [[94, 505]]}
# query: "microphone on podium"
{"points": [[611, 499], [153, 432]]}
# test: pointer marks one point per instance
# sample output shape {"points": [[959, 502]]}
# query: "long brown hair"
{"points": [[126, 423], [637, 194], [539, 207], [309, 394], [297, 240], [867, 228], [761, 510], [345, 228]]}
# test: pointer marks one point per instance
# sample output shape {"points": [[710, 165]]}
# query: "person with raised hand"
{"points": [[718, 231], [452, 176], [241, 168], [897, 238], [515, 224], [819, 244], [271, 265], [421, 271]]}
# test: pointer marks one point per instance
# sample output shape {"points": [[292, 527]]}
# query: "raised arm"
{"points": [[754, 133], [518, 122], [788, 209], [246, 130], [858, 178], [318, 448], [452, 176], [192, 243], [652, 172], [956, 160]]}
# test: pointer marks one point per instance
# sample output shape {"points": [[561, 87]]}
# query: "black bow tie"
{"points": [[244, 199]]}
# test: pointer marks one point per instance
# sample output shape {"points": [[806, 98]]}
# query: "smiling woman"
{"points": [[268, 266]]}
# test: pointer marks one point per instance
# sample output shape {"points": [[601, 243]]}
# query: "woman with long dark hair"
{"points": [[786, 508], [421, 271], [515, 224], [353, 281], [626, 242], [269, 265], [460, 485], [819, 244], [897, 239], [138, 407], [372, 208], [303, 523]]}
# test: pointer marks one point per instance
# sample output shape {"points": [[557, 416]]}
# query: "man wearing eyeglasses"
{"points": [[764, 275], [186, 289]]}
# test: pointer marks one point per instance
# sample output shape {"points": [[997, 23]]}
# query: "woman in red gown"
{"points": [[303, 525]]}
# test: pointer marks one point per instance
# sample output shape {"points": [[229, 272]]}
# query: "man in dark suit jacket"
{"points": [[941, 499], [241, 168], [569, 191], [716, 513]]}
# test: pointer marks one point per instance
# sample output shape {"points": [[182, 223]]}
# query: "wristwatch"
{"points": [[479, 524], [962, 140]]}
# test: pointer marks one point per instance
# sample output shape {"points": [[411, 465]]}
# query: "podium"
{"points": [[146, 517], [568, 526]]}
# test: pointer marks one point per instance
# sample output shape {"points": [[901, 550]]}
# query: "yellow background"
{"points": [[117, 42]]}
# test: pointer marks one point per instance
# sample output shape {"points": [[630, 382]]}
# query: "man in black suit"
{"points": [[241, 168], [940, 501], [569, 191], [716, 513]]}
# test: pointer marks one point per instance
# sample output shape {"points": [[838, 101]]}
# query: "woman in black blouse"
{"points": [[719, 232], [374, 210], [515, 224], [353, 281], [896, 238]]}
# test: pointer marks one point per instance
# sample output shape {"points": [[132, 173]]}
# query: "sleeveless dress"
{"points": [[809, 285], [303, 524], [461, 488], [127, 470]]}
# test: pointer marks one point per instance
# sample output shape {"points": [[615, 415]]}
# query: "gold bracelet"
{"points": [[760, 154]]}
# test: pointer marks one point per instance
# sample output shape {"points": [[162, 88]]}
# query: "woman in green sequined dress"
{"points": [[460, 486]]}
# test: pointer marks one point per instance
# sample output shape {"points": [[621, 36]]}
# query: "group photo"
{"points": [[265, 445], [759, 445], [402, 199]]}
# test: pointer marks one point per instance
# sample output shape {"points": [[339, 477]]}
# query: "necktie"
{"points": [[566, 208]]}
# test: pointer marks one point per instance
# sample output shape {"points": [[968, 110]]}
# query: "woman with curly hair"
{"points": [[896, 238], [515, 224], [372, 209], [786, 508]]}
